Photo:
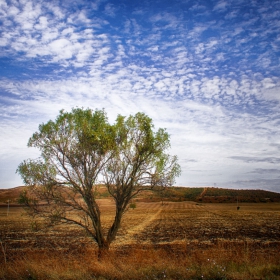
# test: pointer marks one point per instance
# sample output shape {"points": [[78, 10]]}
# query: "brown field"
{"points": [[176, 240]]}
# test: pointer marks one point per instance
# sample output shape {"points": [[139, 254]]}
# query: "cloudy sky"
{"points": [[206, 70]]}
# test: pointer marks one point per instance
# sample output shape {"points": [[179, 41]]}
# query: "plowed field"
{"points": [[180, 223]]}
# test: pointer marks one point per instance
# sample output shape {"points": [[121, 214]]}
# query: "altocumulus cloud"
{"points": [[207, 72]]}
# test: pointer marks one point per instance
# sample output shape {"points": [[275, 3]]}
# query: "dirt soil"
{"points": [[182, 224]]}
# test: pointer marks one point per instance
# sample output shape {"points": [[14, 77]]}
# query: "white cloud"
{"points": [[206, 134], [110, 10], [220, 6], [42, 23], [40, 31]]}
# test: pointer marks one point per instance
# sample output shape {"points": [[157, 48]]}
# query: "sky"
{"points": [[207, 70]]}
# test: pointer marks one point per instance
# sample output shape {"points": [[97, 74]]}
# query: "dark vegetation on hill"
{"points": [[200, 195], [230, 195], [214, 195]]}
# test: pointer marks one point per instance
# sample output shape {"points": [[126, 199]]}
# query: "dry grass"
{"points": [[221, 262], [181, 240]]}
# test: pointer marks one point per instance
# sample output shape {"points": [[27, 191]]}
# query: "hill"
{"points": [[214, 195], [10, 195], [232, 195], [201, 195]]}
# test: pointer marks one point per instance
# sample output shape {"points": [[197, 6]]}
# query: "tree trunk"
{"points": [[103, 250], [115, 226]]}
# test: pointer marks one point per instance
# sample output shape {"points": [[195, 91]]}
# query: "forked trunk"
{"points": [[115, 227]]}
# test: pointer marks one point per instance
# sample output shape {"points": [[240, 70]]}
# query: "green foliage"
{"points": [[23, 198], [37, 172], [178, 193], [26, 200], [141, 159], [132, 205], [72, 148]]}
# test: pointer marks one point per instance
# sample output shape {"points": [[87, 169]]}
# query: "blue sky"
{"points": [[207, 71]]}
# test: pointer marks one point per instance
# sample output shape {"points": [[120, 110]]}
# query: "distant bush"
{"points": [[132, 205]]}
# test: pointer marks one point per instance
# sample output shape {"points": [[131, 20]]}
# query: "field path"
{"points": [[203, 193], [131, 233]]}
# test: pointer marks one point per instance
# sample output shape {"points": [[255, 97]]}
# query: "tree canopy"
{"points": [[81, 150]]}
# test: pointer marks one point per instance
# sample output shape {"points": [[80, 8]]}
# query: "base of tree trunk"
{"points": [[103, 252]]}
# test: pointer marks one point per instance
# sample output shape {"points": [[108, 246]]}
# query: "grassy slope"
{"points": [[205, 195], [10, 194]]}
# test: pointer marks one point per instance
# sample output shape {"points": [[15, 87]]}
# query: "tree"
{"points": [[79, 151]]}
